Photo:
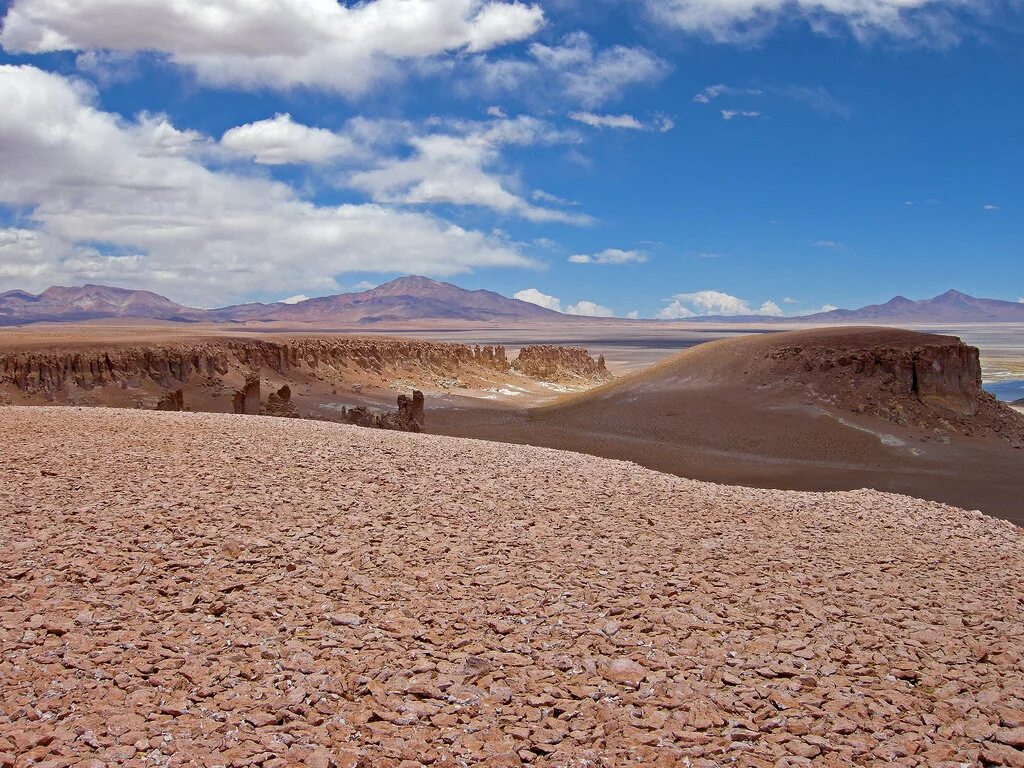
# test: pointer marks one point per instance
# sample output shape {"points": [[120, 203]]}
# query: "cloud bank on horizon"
{"points": [[220, 151]]}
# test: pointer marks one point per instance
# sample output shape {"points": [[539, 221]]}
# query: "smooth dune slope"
{"points": [[208, 589], [825, 409]]}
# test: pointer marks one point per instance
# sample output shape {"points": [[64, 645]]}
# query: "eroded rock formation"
{"points": [[553, 363], [171, 364], [247, 399], [280, 404], [409, 417], [946, 376], [171, 401], [931, 382], [491, 357]]}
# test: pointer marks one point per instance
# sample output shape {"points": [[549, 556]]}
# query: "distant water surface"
{"points": [[1006, 390]]}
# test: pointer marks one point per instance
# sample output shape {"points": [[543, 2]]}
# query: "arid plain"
{"points": [[730, 436]]}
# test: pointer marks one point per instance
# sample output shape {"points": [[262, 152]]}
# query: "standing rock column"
{"points": [[247, 399]]}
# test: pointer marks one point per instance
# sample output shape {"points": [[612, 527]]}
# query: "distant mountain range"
{"points": [[420, 298], [950, 307], [401, 300]]}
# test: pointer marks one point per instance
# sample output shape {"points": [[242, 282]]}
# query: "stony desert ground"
{"points": [[209, 589]]}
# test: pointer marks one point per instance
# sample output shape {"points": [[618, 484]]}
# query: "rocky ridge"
{"points": [[229, 364], [304, 603], [929, 382], [560, 364]]}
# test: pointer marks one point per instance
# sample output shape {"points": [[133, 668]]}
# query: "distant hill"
{"points": [[950, 307], [90, 302]]}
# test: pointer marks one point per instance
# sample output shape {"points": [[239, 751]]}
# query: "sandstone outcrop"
{"points": [[171, 364], [409, 417], [280, 404], [548, 362], [943, 375], [247, 399], [926, 381], [491, 357], [171, 401]]}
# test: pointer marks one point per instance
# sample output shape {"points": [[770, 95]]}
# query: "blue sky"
{"points": [[662, 157]]}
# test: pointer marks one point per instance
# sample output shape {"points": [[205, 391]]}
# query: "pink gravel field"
{"points": [[218, 590]]}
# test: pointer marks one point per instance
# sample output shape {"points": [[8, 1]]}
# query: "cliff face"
{"points": [[550, 363], [170, 365], [933, 384], [943, 376]]}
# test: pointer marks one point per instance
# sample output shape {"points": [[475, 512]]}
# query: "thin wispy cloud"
{"points": [[622, 122], [935, 22], [817, 98], [712, 92], [610, 256], [575, 70], [731, 114]]}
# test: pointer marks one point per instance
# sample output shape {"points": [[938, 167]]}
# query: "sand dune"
{"points": [[746, 411], [205, 589]]}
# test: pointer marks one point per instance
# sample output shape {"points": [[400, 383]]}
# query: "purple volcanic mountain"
{"points": [[419, 298], [950, 307]]}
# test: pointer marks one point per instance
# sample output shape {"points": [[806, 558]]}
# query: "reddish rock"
{"points": [[408, 418], [553, 363], [280, 404], [171, 401], [247, 399]]}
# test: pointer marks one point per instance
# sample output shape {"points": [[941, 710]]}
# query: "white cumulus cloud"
{"points": [[533, 296], [281, 140], [589, 309], [112, 200], [683, 305], [342, 47], [610, 256]]}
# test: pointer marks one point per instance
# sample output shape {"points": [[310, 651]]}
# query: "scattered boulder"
{"points": [[280, 404], [171, 401], [408, 418]]}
